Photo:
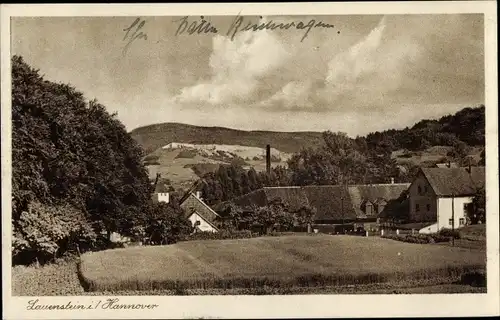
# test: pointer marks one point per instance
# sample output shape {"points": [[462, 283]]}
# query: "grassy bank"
{"points": [[58, 279], [278, 262]]}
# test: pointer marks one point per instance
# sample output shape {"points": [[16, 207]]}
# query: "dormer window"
{"points": [[367, 207]]}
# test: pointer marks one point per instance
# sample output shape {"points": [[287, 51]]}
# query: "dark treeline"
{"points": [[466, 126], [341, 159]]}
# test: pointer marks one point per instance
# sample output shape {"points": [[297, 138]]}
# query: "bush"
{"points": [[449, 233], [45, 232], [221, 235], [474, 278], [165, 224], [418, 238]]}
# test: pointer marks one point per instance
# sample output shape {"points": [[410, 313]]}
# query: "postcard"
{"points": [[250, 160]]}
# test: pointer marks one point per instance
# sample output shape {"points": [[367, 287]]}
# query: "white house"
{"points": [[442, 197], [198, 212]]}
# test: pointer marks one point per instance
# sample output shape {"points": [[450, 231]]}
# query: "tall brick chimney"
{"points": [[268, 159]]}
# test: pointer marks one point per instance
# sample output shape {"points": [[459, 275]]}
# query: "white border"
{"points": [[270, 306]]}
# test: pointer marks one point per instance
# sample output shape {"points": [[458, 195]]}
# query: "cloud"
{"points": [[366, 73], [294, 95], [237, 68]]}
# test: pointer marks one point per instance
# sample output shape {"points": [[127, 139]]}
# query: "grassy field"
{"points": [[58, 279], [275, 262]]}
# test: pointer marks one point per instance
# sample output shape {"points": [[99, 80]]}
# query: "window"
{"points": [[419, 190], [369, 208], [425, 189], [417, 207], [428, 207], [462, 221], [450, 222]]}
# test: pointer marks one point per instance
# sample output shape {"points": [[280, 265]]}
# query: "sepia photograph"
{"points": [[244, 154]]}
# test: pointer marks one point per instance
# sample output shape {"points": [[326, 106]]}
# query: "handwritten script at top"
{"points": [[240, 24], [133, 32]]}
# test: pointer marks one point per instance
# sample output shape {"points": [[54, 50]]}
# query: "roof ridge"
{"points": [[204, 204]]}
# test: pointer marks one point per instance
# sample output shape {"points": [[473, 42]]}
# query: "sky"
{"points": [[362, 74]]}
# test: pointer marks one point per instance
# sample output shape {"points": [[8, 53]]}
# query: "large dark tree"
{"points": [[478, 212], [67, 151], [343, 160]]}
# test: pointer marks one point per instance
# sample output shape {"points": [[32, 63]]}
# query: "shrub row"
{"points": [[418, 238], [221, 235], [243, 234]]}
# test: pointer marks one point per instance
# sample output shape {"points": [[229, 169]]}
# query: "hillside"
{"points": [[205, 148], [155, 136], [467, 125], [181, 164]]}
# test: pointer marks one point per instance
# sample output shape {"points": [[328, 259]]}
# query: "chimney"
{"points": [[198, 194], [392, 180], [268, 159]]}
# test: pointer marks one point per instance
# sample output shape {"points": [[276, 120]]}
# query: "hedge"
{"points": [[418, 238]]}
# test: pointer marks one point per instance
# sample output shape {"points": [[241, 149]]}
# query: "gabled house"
{"points": [[199, 213], [442, 197]]}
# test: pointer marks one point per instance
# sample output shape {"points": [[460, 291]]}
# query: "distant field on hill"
{"points": [[155, 136], [184, 164], [289, 261]]}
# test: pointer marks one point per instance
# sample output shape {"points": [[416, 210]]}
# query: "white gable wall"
{"points": [[445, 211], [204, 225]]}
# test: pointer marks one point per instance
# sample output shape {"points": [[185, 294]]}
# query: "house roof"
{"points": [[194, 204], [330, 202], [455, 181], [293, 196], [375, 193]]}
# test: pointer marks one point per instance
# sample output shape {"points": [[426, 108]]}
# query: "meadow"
{"points": [[275, 263]]}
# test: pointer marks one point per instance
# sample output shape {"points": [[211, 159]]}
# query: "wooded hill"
{"points": [[466, 125]]}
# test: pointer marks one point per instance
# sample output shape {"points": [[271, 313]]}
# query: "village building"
{"points": [[442, 197], [338, 207], [199, 213], [202, 217]]}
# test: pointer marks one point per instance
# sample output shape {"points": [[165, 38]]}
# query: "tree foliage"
{"points": [[275, 216], [465, 126], [478, 212], [231, 181], [67, 151], [44, 231], [342, 161], [166, 223]]}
